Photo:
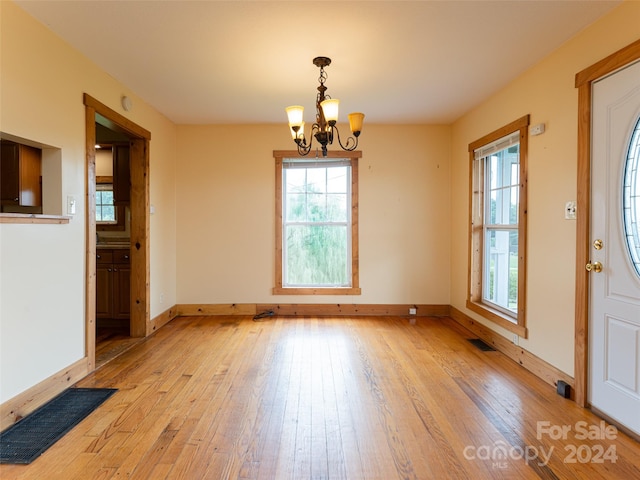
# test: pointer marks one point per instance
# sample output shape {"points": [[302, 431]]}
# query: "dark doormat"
{"points": [[28, 438], [481, 345]]}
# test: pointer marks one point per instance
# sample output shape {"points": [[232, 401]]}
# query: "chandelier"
{"points": [[324, 129]]}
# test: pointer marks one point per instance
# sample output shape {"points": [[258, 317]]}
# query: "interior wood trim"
{"points": [[115, 121], [330, 154], [33, 218], [32, 398], [498, 318], [474, 302], [512, 127], [583, 82], [354, 289], [315, 291], [337, 310], [140, 322], [165, 317], [528, 360], [90, 236], [334, 310], [609, 64]]}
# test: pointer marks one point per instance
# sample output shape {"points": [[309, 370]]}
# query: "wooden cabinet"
{"points": [[121, 175], [113, 284], [20, 176]]}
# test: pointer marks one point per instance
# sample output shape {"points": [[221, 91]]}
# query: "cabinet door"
{"points": [[9, 174], [30, 176], [121, 175], [121, 291], [20, 175], [104, 291]]}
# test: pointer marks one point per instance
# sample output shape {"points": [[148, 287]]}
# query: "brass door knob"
{"points": [[594, 267]]}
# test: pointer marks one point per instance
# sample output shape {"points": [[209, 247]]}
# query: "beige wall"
{"points": [[547, 93], [212, 190], [226, 207], [42, 267]]}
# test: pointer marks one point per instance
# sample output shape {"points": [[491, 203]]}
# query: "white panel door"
{"points": [[614, 328]]}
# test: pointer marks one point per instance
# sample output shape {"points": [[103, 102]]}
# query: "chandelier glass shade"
{"points": [[324, 130]]}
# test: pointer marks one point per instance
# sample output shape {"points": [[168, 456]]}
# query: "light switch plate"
{"points": [[71, 205]]}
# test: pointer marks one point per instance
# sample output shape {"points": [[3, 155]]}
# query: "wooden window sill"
{"points": [[33, 218], [498, 318], [316, 291]]}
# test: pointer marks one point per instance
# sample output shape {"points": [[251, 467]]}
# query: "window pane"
{"points": [[337, 208], [317, 180], [108, 213], [631, 198], [316, 230], [296, 209], [337, 180], [105, 210], [501, 273], [502, 187], [316, 255], [316, 194], [316, 207], [107, 197], [295, 179]]}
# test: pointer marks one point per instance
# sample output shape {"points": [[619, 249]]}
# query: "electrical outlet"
{"points": [[515, 339], [413, 311], [570, 211], [162, 298]]}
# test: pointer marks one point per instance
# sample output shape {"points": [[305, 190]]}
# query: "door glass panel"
{"points": [[631, 198]]}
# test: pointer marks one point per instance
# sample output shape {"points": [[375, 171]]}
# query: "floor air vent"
{"points": [[481, 345]]}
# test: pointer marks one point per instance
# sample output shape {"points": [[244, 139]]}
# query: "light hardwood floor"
{"points": [[112, 342], [324, 398]]}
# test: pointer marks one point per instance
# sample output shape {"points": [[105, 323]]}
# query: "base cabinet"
{"points": [[113, 284]]}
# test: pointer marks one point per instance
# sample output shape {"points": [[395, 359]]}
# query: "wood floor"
{"points": [[346, 398], [112, 342]]}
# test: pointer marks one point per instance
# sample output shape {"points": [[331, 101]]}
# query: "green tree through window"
{"points": [[316, 225]]}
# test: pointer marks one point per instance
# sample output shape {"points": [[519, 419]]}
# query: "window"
{"points": [[105, 208], [316, 224], [498, 226], [631, 198]]}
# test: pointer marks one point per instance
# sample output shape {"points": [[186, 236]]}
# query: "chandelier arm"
{"points": [[350, 140], [303, 147]]}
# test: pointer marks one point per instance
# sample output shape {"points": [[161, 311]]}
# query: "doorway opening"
{"points": [[117, 262]]}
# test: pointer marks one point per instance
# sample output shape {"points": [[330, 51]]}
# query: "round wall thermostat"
{"points": [[126, 103]]}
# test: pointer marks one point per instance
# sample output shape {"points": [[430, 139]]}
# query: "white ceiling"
{"points": [[202, 62]]}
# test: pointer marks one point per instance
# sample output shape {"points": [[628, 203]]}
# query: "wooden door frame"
{"points": [[583, 83], [140, 324]]}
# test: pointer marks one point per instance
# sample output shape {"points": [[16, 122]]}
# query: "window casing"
{"points": [[497, 225], [317, 224]]}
